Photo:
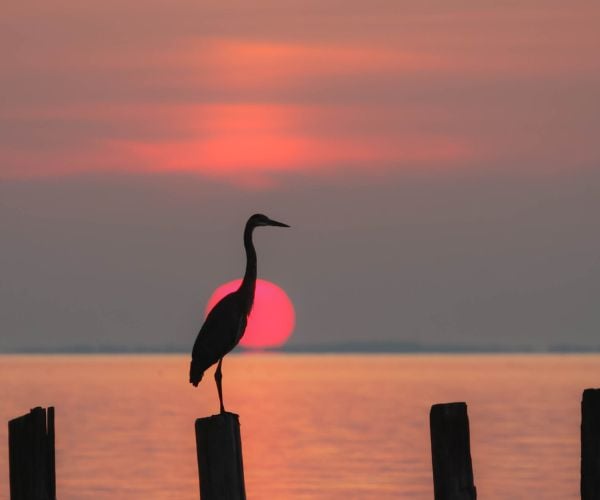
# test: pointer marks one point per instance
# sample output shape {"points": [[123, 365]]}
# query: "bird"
{"points": [[226, 322]]}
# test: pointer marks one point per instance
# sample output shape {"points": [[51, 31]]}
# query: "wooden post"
{"points": [[31, 456], [451, 452], [220, 466], [590, 445]]}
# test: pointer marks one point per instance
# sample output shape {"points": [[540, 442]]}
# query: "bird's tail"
{"points": [[196, 372]]}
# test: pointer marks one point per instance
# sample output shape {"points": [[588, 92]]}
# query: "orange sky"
{"points": [[242, 94], [438, 162]]}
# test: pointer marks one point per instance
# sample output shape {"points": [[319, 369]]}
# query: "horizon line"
{"points": [[347, 348]]}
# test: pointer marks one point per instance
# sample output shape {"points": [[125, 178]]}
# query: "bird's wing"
{"points": [[220, 332], [241, 328]]}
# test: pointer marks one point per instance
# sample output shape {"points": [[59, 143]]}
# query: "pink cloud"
{"points": [[238, 140], [246, 143]]}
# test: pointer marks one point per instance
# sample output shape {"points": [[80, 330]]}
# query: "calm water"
{"points": [[313, 426]]}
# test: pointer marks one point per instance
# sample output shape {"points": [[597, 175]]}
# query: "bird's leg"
{"points": [[218, 378]]}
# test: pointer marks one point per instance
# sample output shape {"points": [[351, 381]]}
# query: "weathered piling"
{"points": [[451, 452], [590, 445], [220, 465], [31, 456]]}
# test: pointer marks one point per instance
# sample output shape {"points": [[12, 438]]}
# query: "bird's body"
{"points": [[220, 333], [226, 322]]}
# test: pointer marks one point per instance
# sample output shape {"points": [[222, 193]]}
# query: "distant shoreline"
{"points": [[349, 348]]}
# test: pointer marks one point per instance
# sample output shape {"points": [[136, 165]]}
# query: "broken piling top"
{"points": [[220, 464], [451, 452], [31, 455]]}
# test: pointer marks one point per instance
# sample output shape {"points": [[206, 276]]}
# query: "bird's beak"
{"points": [[275, 223]]}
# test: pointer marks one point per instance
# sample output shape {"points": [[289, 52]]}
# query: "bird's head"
{"points": [[262, 220]]}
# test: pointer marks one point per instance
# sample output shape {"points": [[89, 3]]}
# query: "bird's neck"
{"points": [[249, 282]]}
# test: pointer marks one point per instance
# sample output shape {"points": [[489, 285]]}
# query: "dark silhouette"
{"points": [[226, 322], [31, 455], [451, 452], [590, 445], [220, 461]]}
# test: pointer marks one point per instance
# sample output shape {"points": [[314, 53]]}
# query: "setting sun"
{"points": [[272, 319]]}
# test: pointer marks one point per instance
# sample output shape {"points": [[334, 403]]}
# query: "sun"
{"points": [[272, 319]]}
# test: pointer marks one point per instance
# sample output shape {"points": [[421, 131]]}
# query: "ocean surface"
{"points": [[313, 426]]}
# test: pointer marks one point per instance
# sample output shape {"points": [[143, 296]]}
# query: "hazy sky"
{"points": [[438, 162]]}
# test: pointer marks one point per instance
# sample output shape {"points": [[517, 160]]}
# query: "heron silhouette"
{"points": [[226, 322]]}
